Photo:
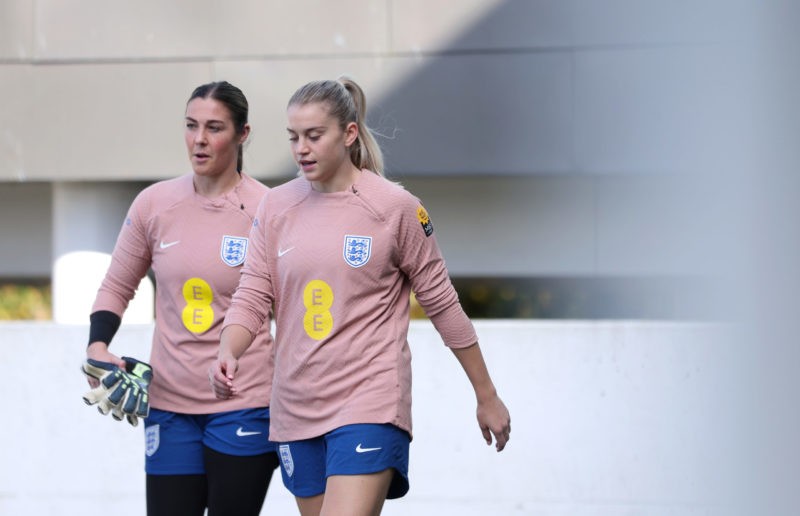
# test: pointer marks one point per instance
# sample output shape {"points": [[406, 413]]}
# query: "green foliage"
{"points": [[25, 302]]}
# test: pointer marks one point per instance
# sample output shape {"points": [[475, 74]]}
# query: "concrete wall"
{"points": [[487, 86], [608, 419], [576, 109]]}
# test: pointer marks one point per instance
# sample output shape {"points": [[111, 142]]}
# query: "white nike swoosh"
{"points": [[241, 433], [359, 449], [281, 252], [164, 245]]}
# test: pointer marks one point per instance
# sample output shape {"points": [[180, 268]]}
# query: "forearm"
{"points": [[471, 360], [234, 341]]}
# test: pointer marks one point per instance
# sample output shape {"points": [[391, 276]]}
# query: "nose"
{"points": [[200, 137], [301, 147]]}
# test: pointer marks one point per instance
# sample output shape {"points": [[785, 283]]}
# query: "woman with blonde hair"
{"points": [[336, 253]]}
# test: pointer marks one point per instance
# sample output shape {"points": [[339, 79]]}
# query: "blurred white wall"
{"points": [[76, 278], [608, 418]]}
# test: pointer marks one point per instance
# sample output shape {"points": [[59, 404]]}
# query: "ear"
{"points": [[245, 134], [350, 134]]}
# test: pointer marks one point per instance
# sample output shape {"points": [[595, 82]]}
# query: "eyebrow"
{"points": [[207, 121], [318, 128]]}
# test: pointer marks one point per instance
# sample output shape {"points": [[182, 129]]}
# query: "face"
{"points": [[211, 137], [319, 145]]}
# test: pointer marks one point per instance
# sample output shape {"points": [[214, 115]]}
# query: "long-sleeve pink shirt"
{"points": [[196, 247], [337, 269]]}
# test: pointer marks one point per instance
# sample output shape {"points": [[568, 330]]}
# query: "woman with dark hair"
{"points": [[201, 452]]}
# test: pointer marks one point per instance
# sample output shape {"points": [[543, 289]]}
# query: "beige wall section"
{"points": [[110, 121], [16, 81], [207, 28], [16, 29]]}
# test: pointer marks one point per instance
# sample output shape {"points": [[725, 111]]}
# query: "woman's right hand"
{"points": [[99, 351]]}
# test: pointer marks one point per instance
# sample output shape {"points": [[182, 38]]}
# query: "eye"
{"points": [[293, 138], [215, 128], [191, 125], [314, 138]]}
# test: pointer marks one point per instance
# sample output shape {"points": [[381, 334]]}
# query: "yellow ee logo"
{"points": [[198, 316], [318, 299]]}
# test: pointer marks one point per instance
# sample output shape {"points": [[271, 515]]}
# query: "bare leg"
{"points": [[311, 505], [356, 495]]}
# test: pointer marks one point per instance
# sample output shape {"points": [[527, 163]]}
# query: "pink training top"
{"points": [[196, 247], [339, 268]]}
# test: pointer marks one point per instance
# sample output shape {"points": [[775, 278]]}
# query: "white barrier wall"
{"points": [[608, 418]]}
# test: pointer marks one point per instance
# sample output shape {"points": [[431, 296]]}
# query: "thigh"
{"points": [[364, 449], [237, 485], [356, 495], [176, 495], [173, 444]]}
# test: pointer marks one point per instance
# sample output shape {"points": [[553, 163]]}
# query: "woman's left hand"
{"points": [[221, 375], [494, 420]]}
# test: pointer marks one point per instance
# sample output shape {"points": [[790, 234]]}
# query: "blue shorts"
{"points": [[174, 442], [350, 450]]}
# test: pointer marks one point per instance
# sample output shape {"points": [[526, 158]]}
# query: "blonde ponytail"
{"points": [[347, 103], [365, 152]]}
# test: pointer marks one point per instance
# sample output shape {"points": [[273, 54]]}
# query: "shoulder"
{"points": [[164, 194], [391, 198], [169, 189], [403, 209], [252, 190], [253, 185], [287, 195]]}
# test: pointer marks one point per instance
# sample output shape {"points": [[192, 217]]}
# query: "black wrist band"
{"points": [[103, 326]]}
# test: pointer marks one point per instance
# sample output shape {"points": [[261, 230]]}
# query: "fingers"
{"points": [[95, 395], [220, 376], [502, 438], [487, 434], [101, 354], [494, 421]]}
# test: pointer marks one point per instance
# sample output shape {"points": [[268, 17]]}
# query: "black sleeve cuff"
{"points": [[103, 326]]}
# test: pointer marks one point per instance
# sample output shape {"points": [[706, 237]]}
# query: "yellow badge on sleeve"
{"points": [[425, 220]]}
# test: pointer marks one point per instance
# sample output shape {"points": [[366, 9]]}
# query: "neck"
{"points": [[215, 186], [340, 182]]}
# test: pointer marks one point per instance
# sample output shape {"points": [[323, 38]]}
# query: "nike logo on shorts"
{"points": [[359, 449], [241, 433], [281, 252], [164, 245]]}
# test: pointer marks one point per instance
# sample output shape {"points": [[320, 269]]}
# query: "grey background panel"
{"points": [[25, 222], [205, 29], [472, 114]]}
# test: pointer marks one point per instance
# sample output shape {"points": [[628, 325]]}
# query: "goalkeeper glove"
{"points": [[137, 402], [121, 392]]}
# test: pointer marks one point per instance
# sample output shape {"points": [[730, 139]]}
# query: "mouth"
{"points": [[306, 165], [200, 156]]}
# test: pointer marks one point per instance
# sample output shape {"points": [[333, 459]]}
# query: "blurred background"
{"points": [[614, 167]]}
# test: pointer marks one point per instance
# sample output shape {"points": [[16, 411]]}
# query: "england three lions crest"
{"points": [[234, 250], [357, 250]]}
